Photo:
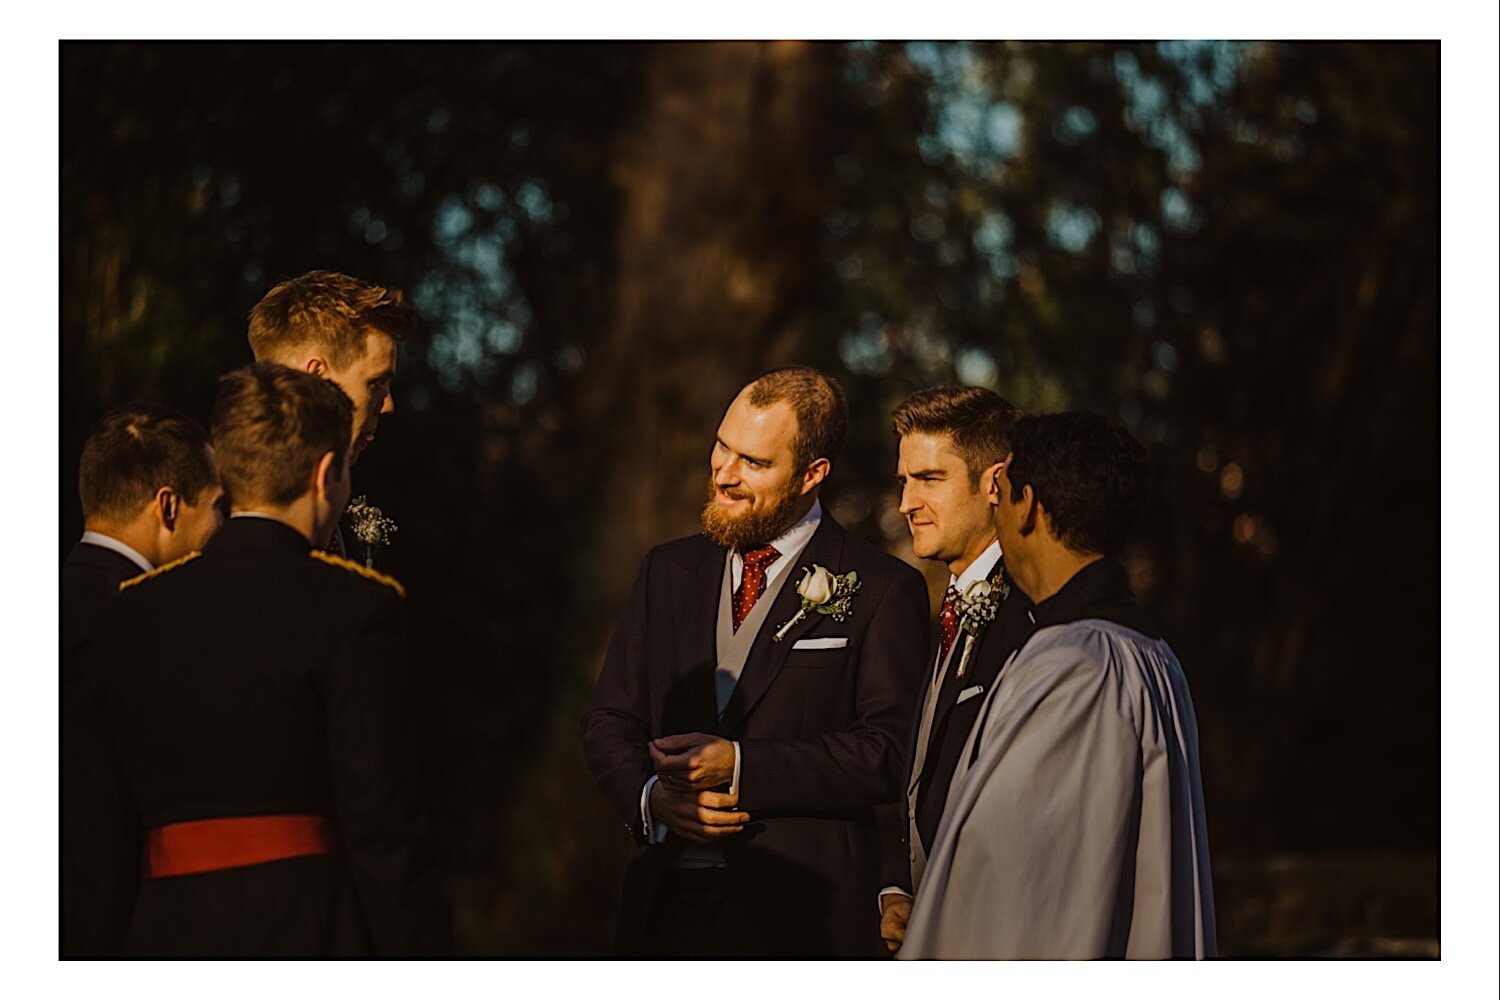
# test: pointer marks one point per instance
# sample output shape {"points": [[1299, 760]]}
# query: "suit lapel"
{"points": [[980, 670], [691, 690], [766, 658]]}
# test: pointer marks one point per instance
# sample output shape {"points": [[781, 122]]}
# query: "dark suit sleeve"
{"points": [[862, 765], [895, 864], [101, 832], [616, 727], [373, 761]]}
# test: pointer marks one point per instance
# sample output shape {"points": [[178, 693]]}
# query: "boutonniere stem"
{"points": [[823, 592]]}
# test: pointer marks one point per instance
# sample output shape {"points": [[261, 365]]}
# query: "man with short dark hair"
{"points": [[953, 439], [150, 492], [1075, 825], [256, 701], [753, 704]]}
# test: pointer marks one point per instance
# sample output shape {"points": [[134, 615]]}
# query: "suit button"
{"points": [[911, 856]]}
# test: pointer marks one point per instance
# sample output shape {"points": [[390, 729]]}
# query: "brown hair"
{"points": [[331, 311], [271, 425], [978, 422], [817, 400], [136, 450]]}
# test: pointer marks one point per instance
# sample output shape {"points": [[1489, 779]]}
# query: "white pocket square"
{"points": [[832, 642], [968, 693]]}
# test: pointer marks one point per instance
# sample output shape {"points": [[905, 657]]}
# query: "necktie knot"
{"points": [[948, 619], [753, 583]]}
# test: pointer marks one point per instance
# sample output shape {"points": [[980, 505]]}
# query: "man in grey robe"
{"points": [[1075, 827]]}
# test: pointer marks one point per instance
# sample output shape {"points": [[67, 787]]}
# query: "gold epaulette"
{"points": [[158, 571], [364, 571]]}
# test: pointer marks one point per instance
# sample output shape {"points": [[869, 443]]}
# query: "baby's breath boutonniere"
{"points": [[823, 592], [370, 526], [977, 607]]}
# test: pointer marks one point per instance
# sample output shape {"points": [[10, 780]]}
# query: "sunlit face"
{"points": [[197, 522], [367, 381], [754, 485], [948, 515]]}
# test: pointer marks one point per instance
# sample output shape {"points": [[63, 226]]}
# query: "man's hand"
{"points": [[702, 817], [895, 911], [692, 762]]}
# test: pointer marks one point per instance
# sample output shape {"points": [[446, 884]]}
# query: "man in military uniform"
{"points": [[150, 492], [256, 700]]}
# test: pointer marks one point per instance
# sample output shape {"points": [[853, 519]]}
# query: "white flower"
{"points": [[816, 586], [978, 589]]}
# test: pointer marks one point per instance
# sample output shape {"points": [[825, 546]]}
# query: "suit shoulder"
{"points": [[334, 567], [686, 551], [158, 572], [876, 564]]}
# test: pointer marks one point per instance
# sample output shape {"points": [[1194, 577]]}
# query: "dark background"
{"points": [[1233, 248]]}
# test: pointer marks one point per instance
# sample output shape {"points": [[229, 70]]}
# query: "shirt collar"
{"points": [[115, 545], [979, 569]]}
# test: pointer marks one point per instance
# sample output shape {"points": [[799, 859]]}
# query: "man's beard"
{"points": [[751, 530]]}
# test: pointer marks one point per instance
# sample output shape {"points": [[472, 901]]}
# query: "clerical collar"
{"points": [[115, 545], [1099, 590], [979, 569]]}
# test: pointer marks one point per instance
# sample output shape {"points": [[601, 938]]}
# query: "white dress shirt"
{"points": [[115, 545], [790, 544]]}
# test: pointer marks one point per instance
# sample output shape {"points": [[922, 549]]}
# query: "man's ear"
{"points": [[1031, 519], [323, 475], [815, 474], [989, 481], [316, 366], [165, 505]]}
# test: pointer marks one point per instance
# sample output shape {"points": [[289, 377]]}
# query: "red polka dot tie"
{"points": [[948, 618], [753, 583]]}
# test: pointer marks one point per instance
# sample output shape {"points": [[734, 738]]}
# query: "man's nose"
{"points": [[724, 474], [909, 502], [389, 404]]}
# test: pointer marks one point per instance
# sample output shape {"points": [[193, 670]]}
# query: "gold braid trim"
{"points": [[364, 571], [159, 570]]}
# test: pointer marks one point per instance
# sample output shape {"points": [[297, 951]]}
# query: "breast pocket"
{"points": [[817, 659]]}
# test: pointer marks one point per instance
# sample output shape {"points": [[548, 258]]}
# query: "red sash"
{"points": [[208, 845]]}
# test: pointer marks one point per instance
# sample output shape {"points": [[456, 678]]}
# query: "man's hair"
{"points": [[330, 311], [817, 400], [136, 450], [978, 422], [271, 425], [1093, 477]]}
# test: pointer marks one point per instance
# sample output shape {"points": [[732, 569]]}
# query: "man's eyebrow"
{"points": [[749, 458], [929, 474]]}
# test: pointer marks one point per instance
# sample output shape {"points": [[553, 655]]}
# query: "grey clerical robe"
{"points": [[1078, 829]]}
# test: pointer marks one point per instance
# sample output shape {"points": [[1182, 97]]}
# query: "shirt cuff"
{"points": [[889, 891], [656, 833], [734, 783]]}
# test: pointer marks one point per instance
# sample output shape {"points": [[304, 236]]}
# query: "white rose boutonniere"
{"points": [[370, 526], [823, 592], [977, 607]]}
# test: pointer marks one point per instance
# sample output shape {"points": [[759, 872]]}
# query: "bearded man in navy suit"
{"points": [[754, 703]]}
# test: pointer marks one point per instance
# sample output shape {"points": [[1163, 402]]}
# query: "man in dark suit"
{"points": [[150, 492], [256, 701], [953, 441], [753, 704]]}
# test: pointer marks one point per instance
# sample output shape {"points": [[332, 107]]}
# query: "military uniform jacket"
{"points": [[821, 733], [260, 679]]}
